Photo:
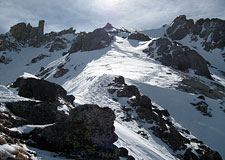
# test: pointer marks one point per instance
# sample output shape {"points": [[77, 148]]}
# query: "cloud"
{"points": [[90, 14]]}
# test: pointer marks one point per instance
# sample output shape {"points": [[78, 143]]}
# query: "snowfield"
{"points": [[91, 72]]}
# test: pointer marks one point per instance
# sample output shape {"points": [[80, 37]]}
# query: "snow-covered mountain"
{"points": [[154, 94]]}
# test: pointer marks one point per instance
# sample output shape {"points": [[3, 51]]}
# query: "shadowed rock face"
{"points": [[41, 90], [97, 39], [38, 113], [88, 128], [138, 36], [178, 56]]}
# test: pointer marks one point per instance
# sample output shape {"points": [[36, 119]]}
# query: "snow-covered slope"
{"points": [[90, 72]]}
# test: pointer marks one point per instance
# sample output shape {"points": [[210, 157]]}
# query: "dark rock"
{"points": [[180, 28], [201, 97], [97, 39], [89, 129], [180, 57], [189, 155], [123, 152], [202, 107], [138, 36], [61, 72], [38, 113], [108, 26], [23, 33], [19, 31], [40, 89], [145, 102], [5, 60], [210, 30], [119, 80], [175, 139], [129, 91], [212, 155]]}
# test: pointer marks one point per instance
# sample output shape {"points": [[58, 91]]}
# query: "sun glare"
{"points": [[107, 4]]}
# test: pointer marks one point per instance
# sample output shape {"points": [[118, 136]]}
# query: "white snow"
{"points": [[28, 128], [90, 72]]}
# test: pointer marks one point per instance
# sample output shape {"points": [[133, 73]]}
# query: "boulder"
{"points": [[89, 129], [40, 89]]}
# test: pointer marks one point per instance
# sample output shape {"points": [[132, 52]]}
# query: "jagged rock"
{"points": [[37, 112], [202, 107], [138, 36], [180, 28], [179, 57], [40, 89], [19, 31], [108, 26], [119, 80], [129, 91], [97, 39], [23, 33], [88, 130], [211, 30]]}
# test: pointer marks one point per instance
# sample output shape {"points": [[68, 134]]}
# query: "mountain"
{"points": [[113, 93]]}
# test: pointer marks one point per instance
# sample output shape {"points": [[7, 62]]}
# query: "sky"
{"points": [[87, 15]]}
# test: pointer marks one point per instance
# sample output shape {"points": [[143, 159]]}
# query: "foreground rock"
{"points": [[40, 89], [88, 130], [38, 113], [141, 109]]}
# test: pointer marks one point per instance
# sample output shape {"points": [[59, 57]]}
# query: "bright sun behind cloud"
{"points": [[107, 4]]}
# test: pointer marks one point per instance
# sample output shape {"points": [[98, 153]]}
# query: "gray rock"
{"points": [[41, 90], [97, 39], [38, 113], [89, 130], [138, 36]]}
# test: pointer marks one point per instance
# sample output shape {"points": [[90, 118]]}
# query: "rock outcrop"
{"points": [[26, 33], [211, 30], [37, 113], [141, 108], [88, 130], [40, 89], [178, 56], [138, 36], [97, 39]]}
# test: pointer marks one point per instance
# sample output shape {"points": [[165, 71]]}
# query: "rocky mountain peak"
{"points": [[108, 26], [211, 30]]}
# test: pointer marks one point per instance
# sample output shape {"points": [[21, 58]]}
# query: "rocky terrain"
{"points": [[113, 93]]}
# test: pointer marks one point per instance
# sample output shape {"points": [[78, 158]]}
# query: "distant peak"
{"points": [[108, 26]]}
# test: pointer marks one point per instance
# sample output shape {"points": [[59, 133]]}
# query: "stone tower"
{"points": [[41, 27]]}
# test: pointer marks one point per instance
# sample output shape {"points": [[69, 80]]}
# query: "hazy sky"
{"points": [[90, 14]]}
